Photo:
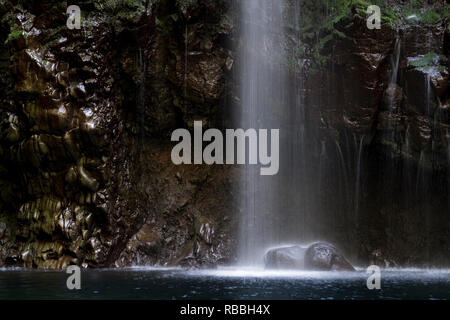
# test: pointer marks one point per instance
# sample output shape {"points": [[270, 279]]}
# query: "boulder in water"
{"points": [[324, 256], [317, 256], [285, 258]]}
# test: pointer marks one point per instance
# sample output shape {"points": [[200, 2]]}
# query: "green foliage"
{"points": [[15, 33], [117, 5], [324, 27], [319, 26], [428, 62], [415, 13], [121, 9], [430, 17], [324, 20], [119, 13], [391, 16]]}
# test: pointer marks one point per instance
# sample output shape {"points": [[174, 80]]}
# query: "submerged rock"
{"points": [[317, 256]]}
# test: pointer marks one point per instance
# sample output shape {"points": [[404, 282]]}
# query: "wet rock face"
{"points": [[351, 93], [190, 225], [385, 144], [85, 175], [5, 243], [53, 137], [359, 70], [317, 256]]}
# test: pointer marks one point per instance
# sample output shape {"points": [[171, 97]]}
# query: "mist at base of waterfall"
{"points": [[224, 283]]}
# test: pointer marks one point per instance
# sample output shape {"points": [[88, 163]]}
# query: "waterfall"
{"points": [[358, 173], [428, 93], [391, 90], [448, 178], [186, 42], [141, 72], [262, 78], [395, 62]]}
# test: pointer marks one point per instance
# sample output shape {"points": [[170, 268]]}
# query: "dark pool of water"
{"points": [[167, 284]]}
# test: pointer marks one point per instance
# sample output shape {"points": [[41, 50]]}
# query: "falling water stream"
{"points": [[290, 208], [395, 62], [263, 81]]}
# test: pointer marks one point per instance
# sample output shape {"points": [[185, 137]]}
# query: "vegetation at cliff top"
{"points": [[325, 15], [114, 6], [428, 62]]}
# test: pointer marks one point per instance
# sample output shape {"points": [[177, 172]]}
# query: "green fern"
{"points": [[428, 62]]}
